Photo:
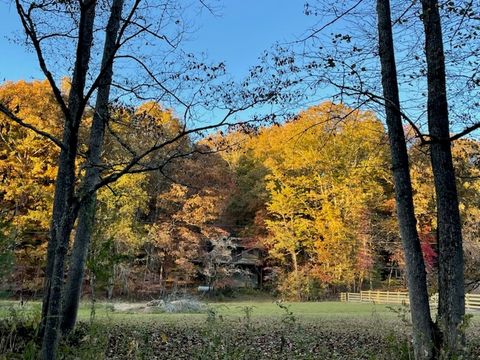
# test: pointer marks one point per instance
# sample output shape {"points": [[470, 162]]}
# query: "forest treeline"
{"points": [[314, 194]]}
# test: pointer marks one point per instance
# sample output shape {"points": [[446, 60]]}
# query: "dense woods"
{"points": [[314, 195]]}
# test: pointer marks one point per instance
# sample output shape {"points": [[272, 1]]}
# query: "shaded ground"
{"points": [[246, 330]]}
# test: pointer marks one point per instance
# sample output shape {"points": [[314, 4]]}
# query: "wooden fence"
{"points": [[472, 301]]}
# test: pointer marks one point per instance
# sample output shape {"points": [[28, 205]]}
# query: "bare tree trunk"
{"points": [[295, 272], [294, 262], [86, 217], [451, 307], [92, 297], [423, 327], [64, 209]]}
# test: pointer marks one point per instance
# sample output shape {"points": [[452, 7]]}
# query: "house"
{"points": [[231, 261]]}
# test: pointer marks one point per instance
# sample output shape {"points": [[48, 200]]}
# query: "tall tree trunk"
{"points": [[86, 216], [423, 327], [451, 307], [64, 209]]}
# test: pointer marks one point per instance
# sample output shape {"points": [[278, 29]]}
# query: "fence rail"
{"points": [[472, 301]]}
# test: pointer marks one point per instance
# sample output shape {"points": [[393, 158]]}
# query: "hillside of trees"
{"points": [[312, 196]]}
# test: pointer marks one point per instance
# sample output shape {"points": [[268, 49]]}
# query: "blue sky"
{"points": [[238, 35], [15, 62], [247, 27]]}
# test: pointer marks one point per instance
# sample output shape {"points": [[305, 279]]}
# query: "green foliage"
{"points": [[398, 347], [250, 194], [85, 342], [248, 311], [18, 332]]}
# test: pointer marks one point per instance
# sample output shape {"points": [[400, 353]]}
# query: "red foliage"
{"points": [[428, 241], [365, 260]]}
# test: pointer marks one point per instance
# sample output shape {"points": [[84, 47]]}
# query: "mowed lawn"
{"points": [[302, 311], [261, 310], [242, 330]]}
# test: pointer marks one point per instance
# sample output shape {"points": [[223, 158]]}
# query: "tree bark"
{"points": [[86, 217], [423, 327], [451, 307], [64, 207]]}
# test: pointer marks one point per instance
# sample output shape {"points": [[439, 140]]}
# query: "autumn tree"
{"points": [[188, 210], [323, 170], [246, 207], [118, 235], [28, 167]]}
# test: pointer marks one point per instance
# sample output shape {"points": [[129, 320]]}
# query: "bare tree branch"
{"points": [[19, 121], [331, 22], [119, 43], [465, 131], [29, 27]]}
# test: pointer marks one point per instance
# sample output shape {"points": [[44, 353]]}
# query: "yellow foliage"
{"points": [[324, 171], [27, 160]]}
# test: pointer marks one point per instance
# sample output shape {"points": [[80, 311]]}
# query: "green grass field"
{"points": [[261, 309], [239, 330]]}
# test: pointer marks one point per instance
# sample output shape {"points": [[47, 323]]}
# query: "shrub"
{"points": [[301, 286]]}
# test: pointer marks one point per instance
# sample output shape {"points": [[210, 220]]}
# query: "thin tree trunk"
{"points": [[295, 272], [423, 327], [451, 307], [87, 210], [390, 277], [294, 262], [64, 210], [92, 297]]}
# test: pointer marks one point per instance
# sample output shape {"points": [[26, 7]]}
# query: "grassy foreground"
{"points": [[235, 330]]}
